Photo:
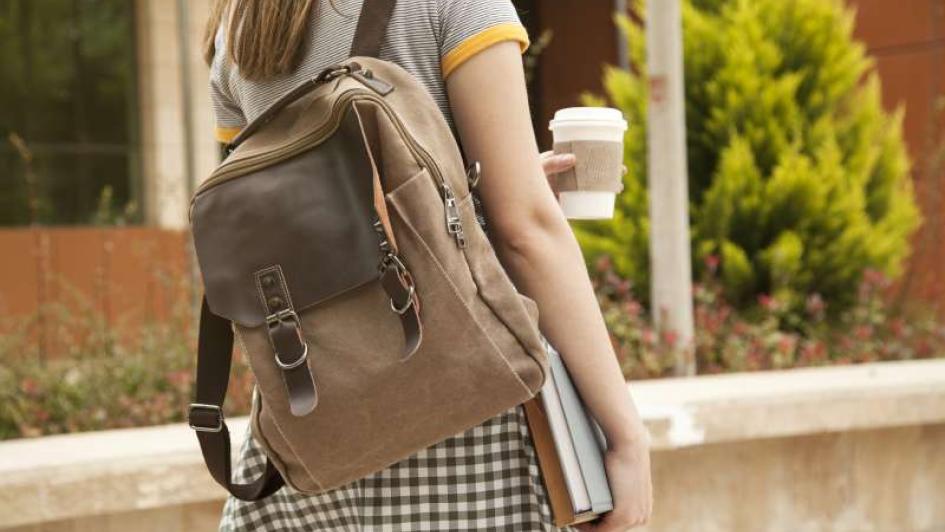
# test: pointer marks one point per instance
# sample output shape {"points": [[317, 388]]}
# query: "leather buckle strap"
{"points": [[289, 317], [404, 301], [214, 357], [287, 341]]}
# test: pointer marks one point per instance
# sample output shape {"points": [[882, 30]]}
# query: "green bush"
{"points": [[798, 180]]}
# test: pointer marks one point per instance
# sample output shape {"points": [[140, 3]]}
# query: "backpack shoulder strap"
{"points": [[372, 25], [368, 36], [214, 356]]}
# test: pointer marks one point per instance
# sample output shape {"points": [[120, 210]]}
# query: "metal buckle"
{"points": [[286, 367], [214, 409], [406, 307], [281, 316]]}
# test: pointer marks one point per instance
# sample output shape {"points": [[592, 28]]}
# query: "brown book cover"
{"points": [[552, 475]]}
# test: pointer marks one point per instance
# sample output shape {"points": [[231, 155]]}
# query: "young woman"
{"points": [[467, 54]]}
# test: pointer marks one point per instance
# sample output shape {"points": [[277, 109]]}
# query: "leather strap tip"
{"points": [[300, 412], [412, 342], [409, 352], [301, 408]]}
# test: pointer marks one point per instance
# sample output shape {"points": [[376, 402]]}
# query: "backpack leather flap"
{"points": [[311, 216]]}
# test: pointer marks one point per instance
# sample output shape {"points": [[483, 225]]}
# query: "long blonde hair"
{"points": [[264, 38]]}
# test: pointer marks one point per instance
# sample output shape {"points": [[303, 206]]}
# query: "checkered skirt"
{"points": [[486, 478]]}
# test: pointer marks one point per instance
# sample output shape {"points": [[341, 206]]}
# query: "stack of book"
{"points": [[570, 448]]}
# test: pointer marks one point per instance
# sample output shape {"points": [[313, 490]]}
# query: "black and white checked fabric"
{"points": [[486, 478]]}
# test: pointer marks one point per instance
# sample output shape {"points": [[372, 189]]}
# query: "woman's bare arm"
{"points": [[538, 249]]}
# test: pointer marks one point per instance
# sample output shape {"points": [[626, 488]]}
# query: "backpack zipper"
{"points": [[310, 139], [453, 221]]}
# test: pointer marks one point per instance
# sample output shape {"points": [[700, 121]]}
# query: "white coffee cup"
{"points": [[595, 136]]}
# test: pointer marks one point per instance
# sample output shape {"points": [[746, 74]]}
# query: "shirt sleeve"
{"points": [[468, 27], [227, 113]]}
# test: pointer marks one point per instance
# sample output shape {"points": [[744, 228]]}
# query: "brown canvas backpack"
{"points": [[339, 240]]}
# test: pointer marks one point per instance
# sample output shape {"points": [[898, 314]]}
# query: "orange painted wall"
{"points": [[907, 40], [59, 284]]}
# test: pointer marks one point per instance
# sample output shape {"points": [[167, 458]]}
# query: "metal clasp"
{"points": [[282, 315], [454, 224], [473, 173], [391, 260]]}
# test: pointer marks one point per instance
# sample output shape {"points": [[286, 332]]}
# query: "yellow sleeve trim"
{"points": [[226, 134], [509, 31]]}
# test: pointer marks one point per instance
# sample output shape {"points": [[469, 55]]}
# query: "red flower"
{"points": [[863, 332], [669, 337], [29, 386], [767, 302], [712, 262]]}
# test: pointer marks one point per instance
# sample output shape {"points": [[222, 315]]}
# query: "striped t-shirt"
{"points": [[428, 38]]}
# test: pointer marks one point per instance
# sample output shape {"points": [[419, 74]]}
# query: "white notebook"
{"points": [[579, 443]]}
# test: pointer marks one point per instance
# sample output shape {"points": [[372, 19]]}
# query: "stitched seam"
{"points": [[466, 200], [285, 289]]}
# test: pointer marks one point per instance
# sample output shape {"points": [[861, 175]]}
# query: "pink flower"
{"points": [[767, 302], [669, 337], [712, 262], [647, 336], [603, 263], [863, 332], [897, 327], [874, 278], [29, 386]]}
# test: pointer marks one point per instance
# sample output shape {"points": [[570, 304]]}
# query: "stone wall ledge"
{"points": [[692, 411], [80, 475]]}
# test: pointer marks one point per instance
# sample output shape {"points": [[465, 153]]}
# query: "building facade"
{"points": [[105, 122]]}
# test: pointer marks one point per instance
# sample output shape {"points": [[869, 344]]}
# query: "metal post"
{"points": [[623, 52], [670, 260]]}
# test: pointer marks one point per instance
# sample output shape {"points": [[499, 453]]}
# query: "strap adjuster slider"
{"points": [[197, 417]]}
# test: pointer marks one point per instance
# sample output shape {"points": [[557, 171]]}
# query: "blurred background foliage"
{"points": [[100, 379], [798, 180], [68, 110]]}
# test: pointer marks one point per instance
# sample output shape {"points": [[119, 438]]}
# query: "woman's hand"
{"points": [[628, 473], [555, 164]]}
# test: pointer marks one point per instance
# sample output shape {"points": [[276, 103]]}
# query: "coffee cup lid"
{"points": [[604, 116]]}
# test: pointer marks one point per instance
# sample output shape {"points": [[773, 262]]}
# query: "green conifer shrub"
{"points": [[799, 181]]}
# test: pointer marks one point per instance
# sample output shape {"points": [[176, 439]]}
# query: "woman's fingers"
{"points": [[555, 164]]}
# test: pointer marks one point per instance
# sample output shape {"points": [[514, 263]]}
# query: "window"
{"points": [[68, 91]]}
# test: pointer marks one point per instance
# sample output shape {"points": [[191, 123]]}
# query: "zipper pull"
{"points": [[454, 225], [366, 77]]}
